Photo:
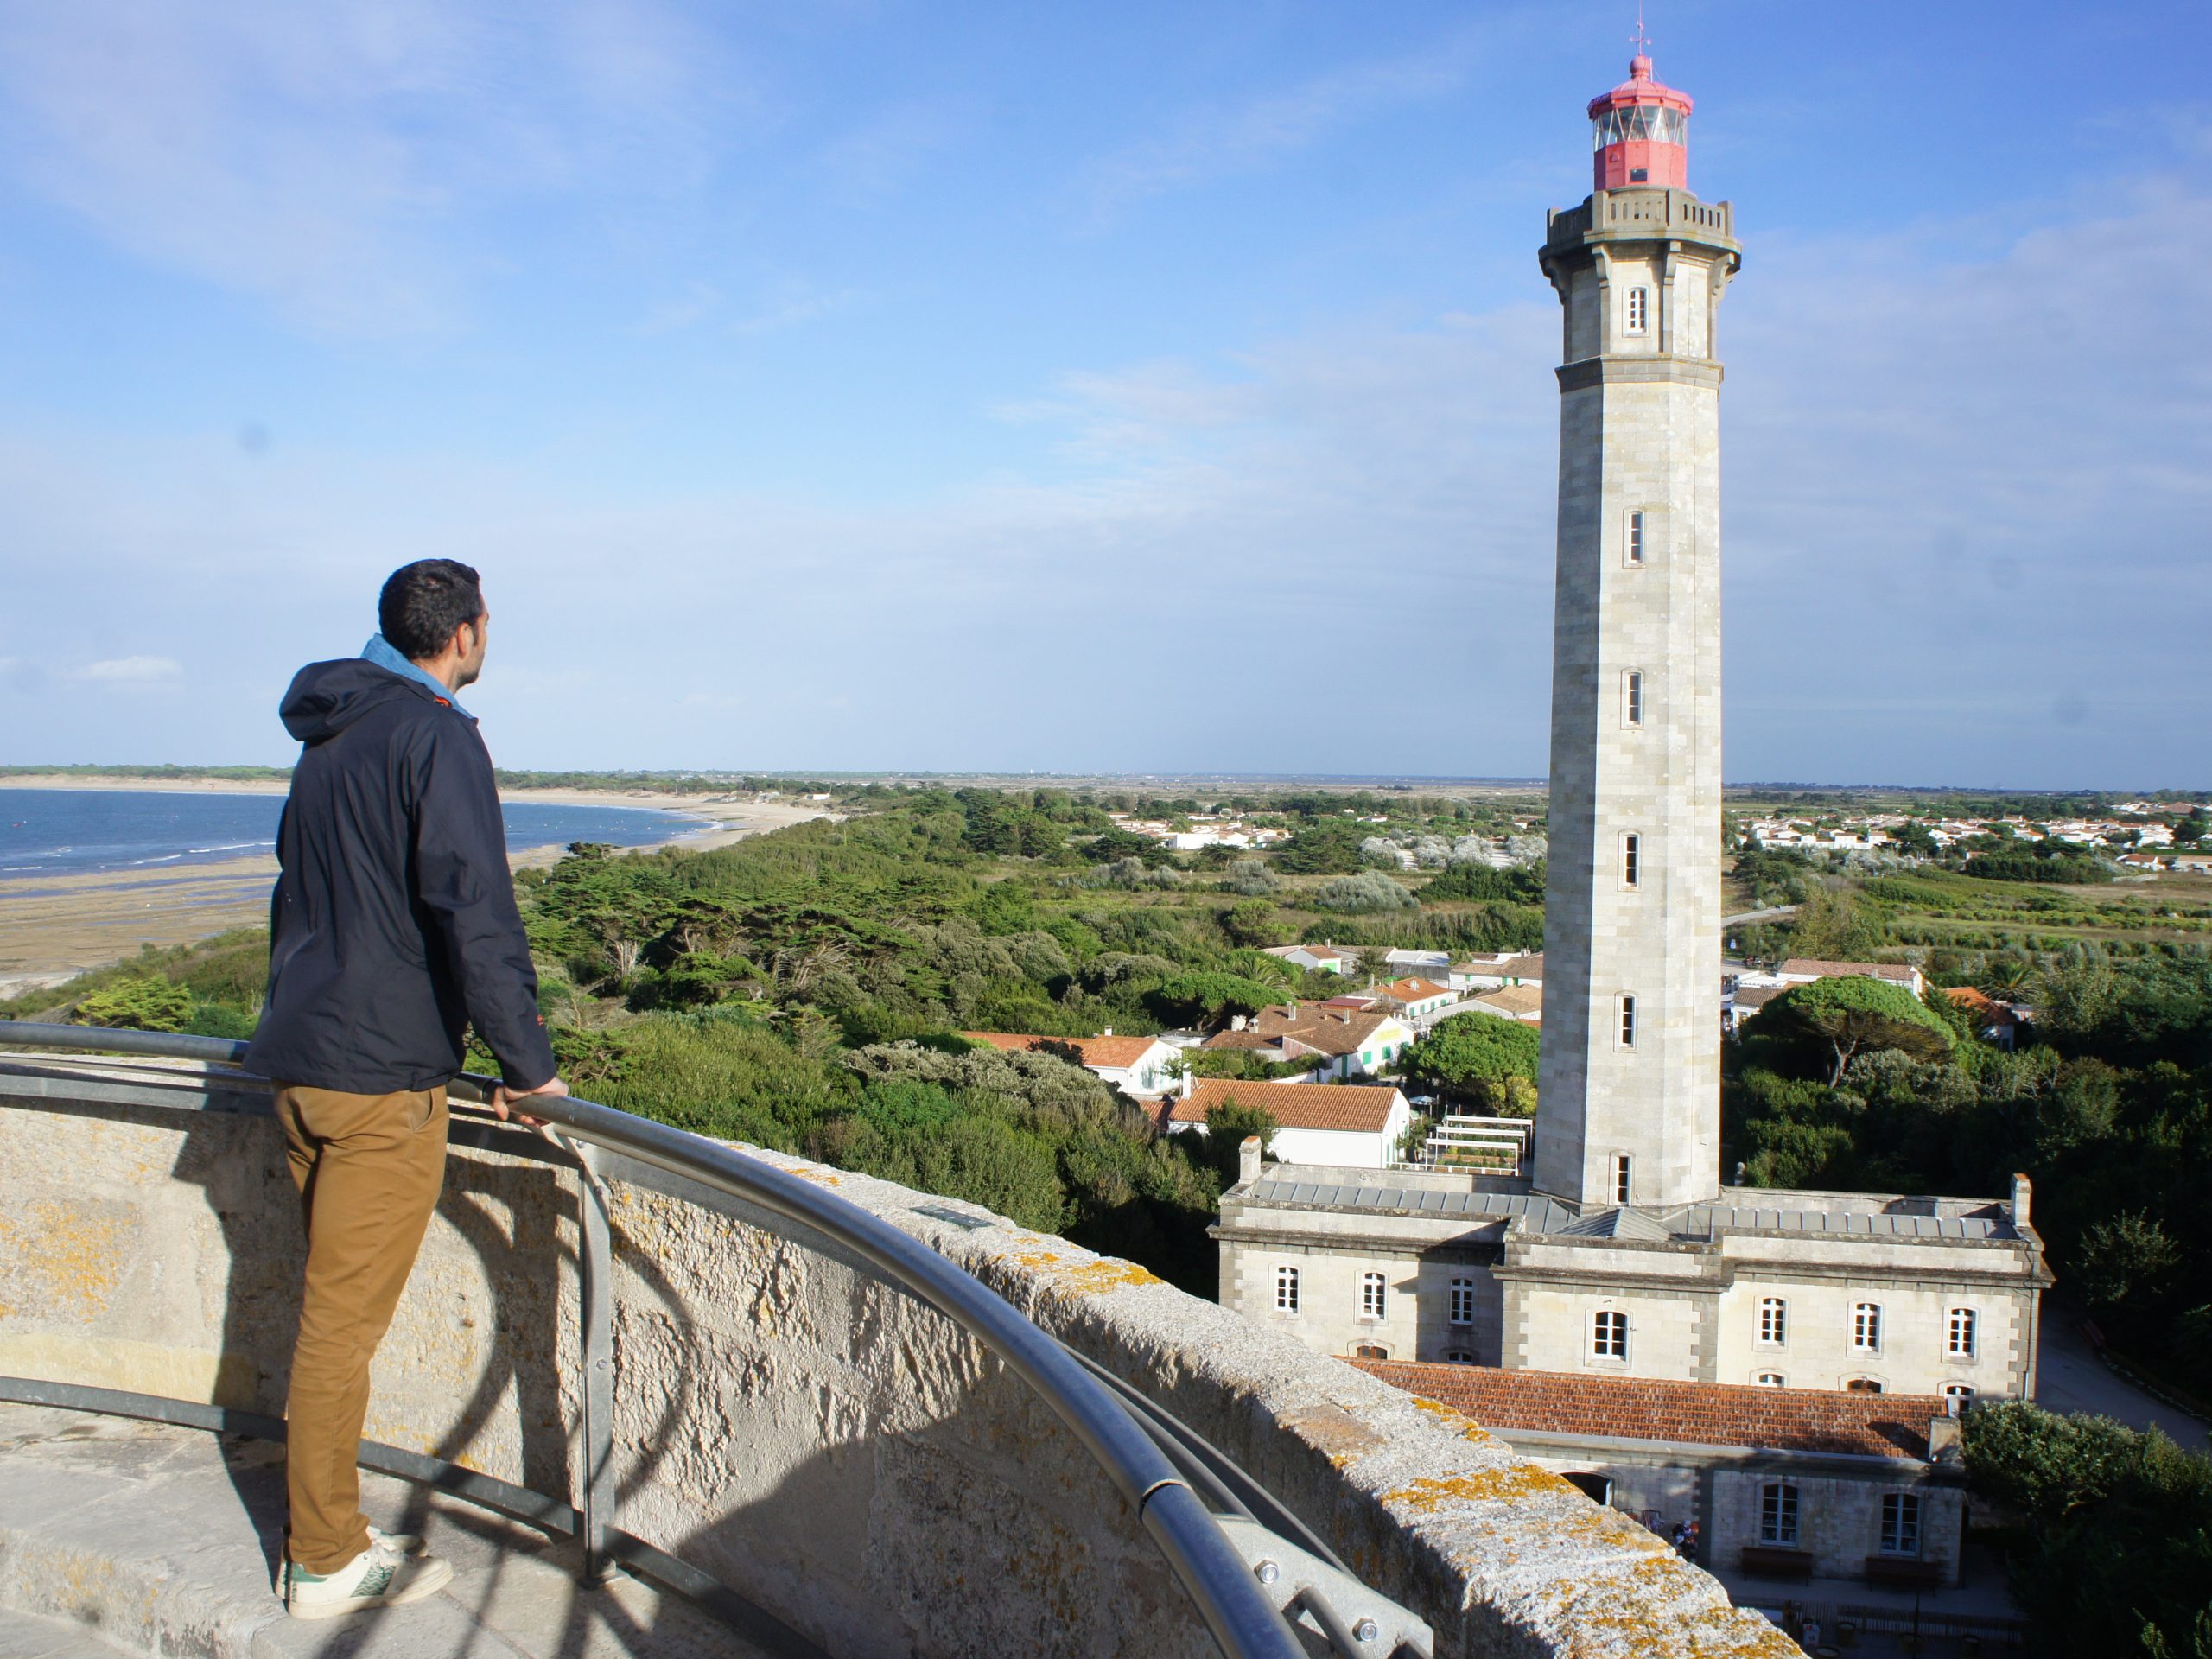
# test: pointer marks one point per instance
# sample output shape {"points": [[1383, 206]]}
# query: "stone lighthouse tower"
{"points": [[1629, 1103]]}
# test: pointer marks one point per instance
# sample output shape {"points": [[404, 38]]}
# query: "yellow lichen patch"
{"points": [[1469, 1429], [58, 1259], [1092, 1278], [1506, 1484]]}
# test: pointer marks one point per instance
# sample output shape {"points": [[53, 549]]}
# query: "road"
{"points": [[2070, 1377]]}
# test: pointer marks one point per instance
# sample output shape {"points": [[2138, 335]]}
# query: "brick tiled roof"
{"points": [[1320, 1026], [1096, 1050], [1293, 1105], [1414, 989], [1518, 1002], [1649, 1409]]}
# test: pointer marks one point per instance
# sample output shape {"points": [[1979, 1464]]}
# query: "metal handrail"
{"points": [[1243, 1621]]}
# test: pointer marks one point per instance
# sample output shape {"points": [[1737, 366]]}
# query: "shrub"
{"points": [[135, 1005], [1369, 891]]}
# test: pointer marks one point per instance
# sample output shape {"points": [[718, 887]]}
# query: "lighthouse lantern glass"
{"points": [[1640, 123]]}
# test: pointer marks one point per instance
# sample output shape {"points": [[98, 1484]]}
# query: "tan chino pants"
{"points": [[369, 1168]]}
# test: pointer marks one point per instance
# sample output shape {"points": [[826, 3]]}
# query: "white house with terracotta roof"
{"points": [[1339, 1040], [1803, 971], [1350, 1125], [1498, 970], [1413, 997], [1523, 1002], [1140, 1067], [1315, 958]]}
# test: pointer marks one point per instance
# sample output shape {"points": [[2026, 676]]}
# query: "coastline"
{"points": [[58, 926]]}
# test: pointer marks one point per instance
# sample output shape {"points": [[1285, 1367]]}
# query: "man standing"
{"points": [[392, 927]]}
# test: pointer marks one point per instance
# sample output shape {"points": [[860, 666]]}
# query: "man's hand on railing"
{"points": [[504, 1097]]}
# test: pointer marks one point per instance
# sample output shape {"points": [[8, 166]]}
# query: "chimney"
{"points": [[1945, 1436], [1108, 1032], [2023, 1197], [1247, 1159], [1190, 1081]]}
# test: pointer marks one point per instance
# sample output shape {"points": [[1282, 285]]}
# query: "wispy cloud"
{"points": [[1963, 501], [131, 670], [800, 303], [331, 160], [1224, 140]]}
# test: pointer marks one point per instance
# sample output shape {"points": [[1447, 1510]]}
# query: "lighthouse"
{"points": [[1629, 1099]]}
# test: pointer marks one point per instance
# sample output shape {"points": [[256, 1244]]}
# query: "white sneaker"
{"points": [[380, 1576], [401, 1543]]}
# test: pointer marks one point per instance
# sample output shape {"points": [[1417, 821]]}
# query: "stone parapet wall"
{"points": [[790, 1423]]}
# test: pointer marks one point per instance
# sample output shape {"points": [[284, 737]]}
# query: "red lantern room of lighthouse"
{"points": [[1642, 132]]}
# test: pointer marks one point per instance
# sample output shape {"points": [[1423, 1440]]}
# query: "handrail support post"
{"points": [[595, 1304]]}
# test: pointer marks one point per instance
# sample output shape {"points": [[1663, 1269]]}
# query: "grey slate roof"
{"points": [[1619, 1223], [1705, 1218], [1544, 1214]]}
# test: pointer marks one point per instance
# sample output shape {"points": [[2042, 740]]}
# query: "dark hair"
{"points": [[423, 602]]}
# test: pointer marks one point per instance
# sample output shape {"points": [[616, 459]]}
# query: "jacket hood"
{"points": [[325, 698]]}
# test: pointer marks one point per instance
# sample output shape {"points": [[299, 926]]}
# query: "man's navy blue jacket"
{"points": [[394, 923]]}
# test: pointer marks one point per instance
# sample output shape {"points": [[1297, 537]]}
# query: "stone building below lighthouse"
{"points": [[1617, 1251]]}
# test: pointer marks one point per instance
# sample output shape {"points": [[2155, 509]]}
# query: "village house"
{"points": [[1522, 1003], [1340, 1042], [1803, 971], [1994, 1022], [1425, 964], [1415, 998], [1495, 972], [1315, 958], [1348, 1126], [1142, 1068]]}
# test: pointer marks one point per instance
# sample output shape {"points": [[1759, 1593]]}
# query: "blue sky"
{"points": [[1149, 388]]}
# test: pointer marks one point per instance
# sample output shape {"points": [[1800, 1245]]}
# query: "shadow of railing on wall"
{"points": [[536, 1226]]}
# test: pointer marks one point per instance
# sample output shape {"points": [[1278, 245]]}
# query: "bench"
{"points": [[1905, 1571], [1776, 1562]]}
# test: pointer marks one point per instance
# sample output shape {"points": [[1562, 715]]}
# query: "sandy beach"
{"points": [[54, 926]]}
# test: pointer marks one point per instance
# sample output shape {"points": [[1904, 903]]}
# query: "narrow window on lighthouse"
{"points": [[1639, 309], [1635, 536], [1632, 697], [1621, 1170], [1629, 849], [1628, 1022]]}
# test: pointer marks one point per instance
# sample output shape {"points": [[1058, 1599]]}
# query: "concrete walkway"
{"points": [[134, 1538], [2070, 1377]]}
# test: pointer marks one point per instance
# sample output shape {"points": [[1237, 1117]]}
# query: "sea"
{"points": [[84, 831]]}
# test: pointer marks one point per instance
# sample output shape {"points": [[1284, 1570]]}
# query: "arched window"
{"points": [[1608, 1335], [1593, 1485], [1370, 1350], [1463, 1301], [1862, 1385], [1957, 1396], [1774, 1321], [1959, 1333], [1373, 1296], [1770, 1380]]}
